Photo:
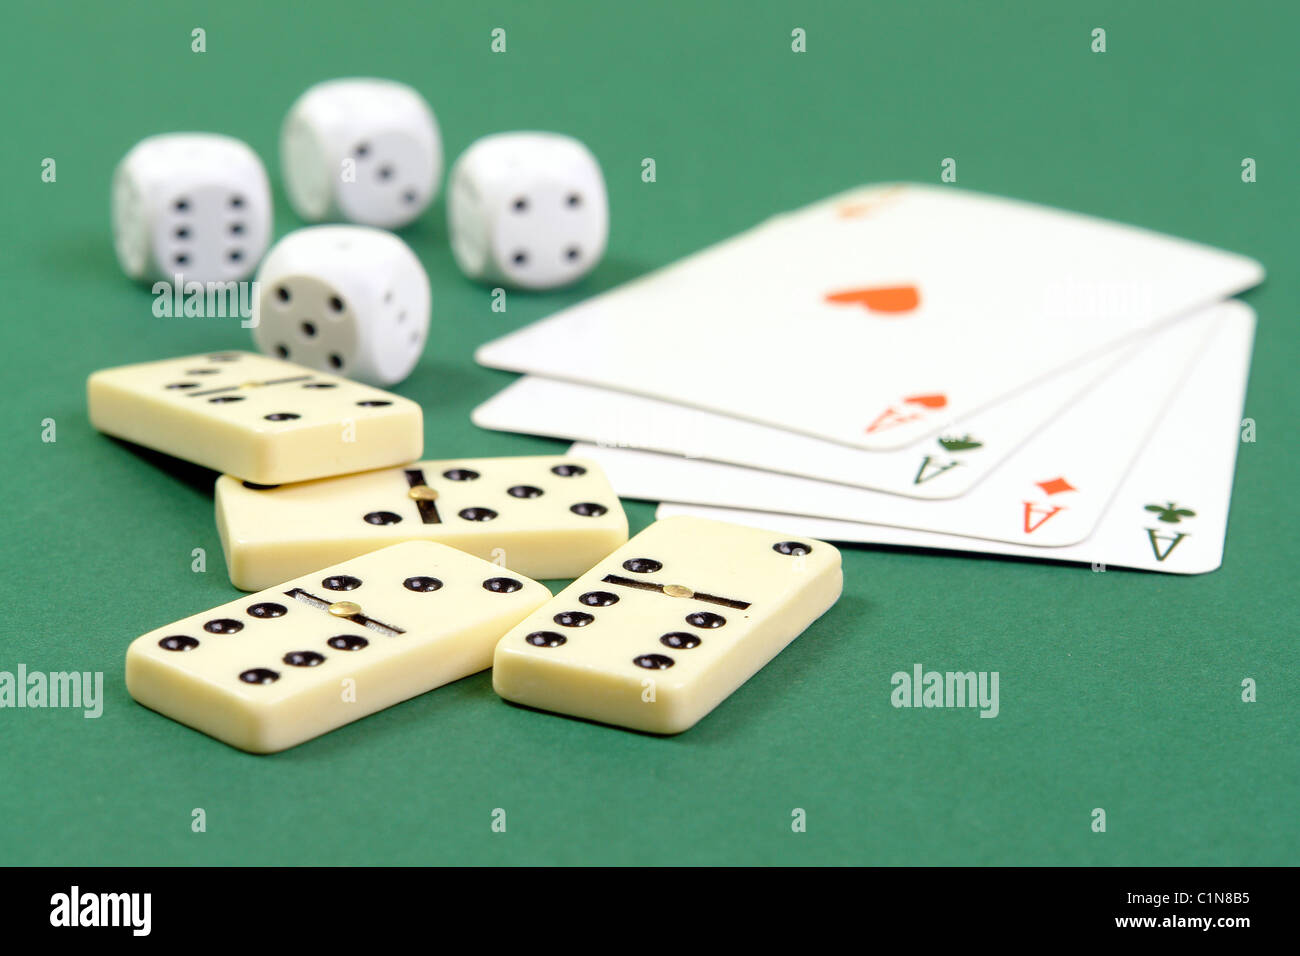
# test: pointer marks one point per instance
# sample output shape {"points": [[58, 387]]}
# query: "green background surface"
{"points": [[1118, 690]]}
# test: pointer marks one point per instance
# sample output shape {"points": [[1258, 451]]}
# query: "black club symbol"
{"points": [[1171, 513]]}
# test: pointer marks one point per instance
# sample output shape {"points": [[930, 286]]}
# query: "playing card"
{"points": [[1050, 493], [873, 318], [1169, 514], [945, 466]]}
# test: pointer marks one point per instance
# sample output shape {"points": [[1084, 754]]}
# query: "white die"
{"points": [[527, 209], [361, 150], [350, 300], [193, 204]]}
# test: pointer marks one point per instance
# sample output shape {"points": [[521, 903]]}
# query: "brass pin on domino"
{"points": [[345, 608]]}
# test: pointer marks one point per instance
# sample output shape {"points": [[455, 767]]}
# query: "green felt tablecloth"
{"points": [[1119, 691]]}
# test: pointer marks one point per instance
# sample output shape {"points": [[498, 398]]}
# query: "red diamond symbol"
{"points": [[1056, 485]]}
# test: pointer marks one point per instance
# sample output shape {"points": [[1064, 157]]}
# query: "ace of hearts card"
{"points": [[875, 317]]}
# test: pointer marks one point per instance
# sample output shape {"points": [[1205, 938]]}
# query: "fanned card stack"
{"points": [[915, 365]]}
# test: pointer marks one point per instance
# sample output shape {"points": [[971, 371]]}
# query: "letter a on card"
{"points": [[914, 407], [1053, 486]]}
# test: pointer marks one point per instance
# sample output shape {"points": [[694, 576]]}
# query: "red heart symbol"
{"points": [[929, 401], [899, 298]]}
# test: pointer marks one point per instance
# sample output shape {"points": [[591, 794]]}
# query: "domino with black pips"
{"points": [[273, 669], [546, 516], [669, 625], [263, 419]]}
